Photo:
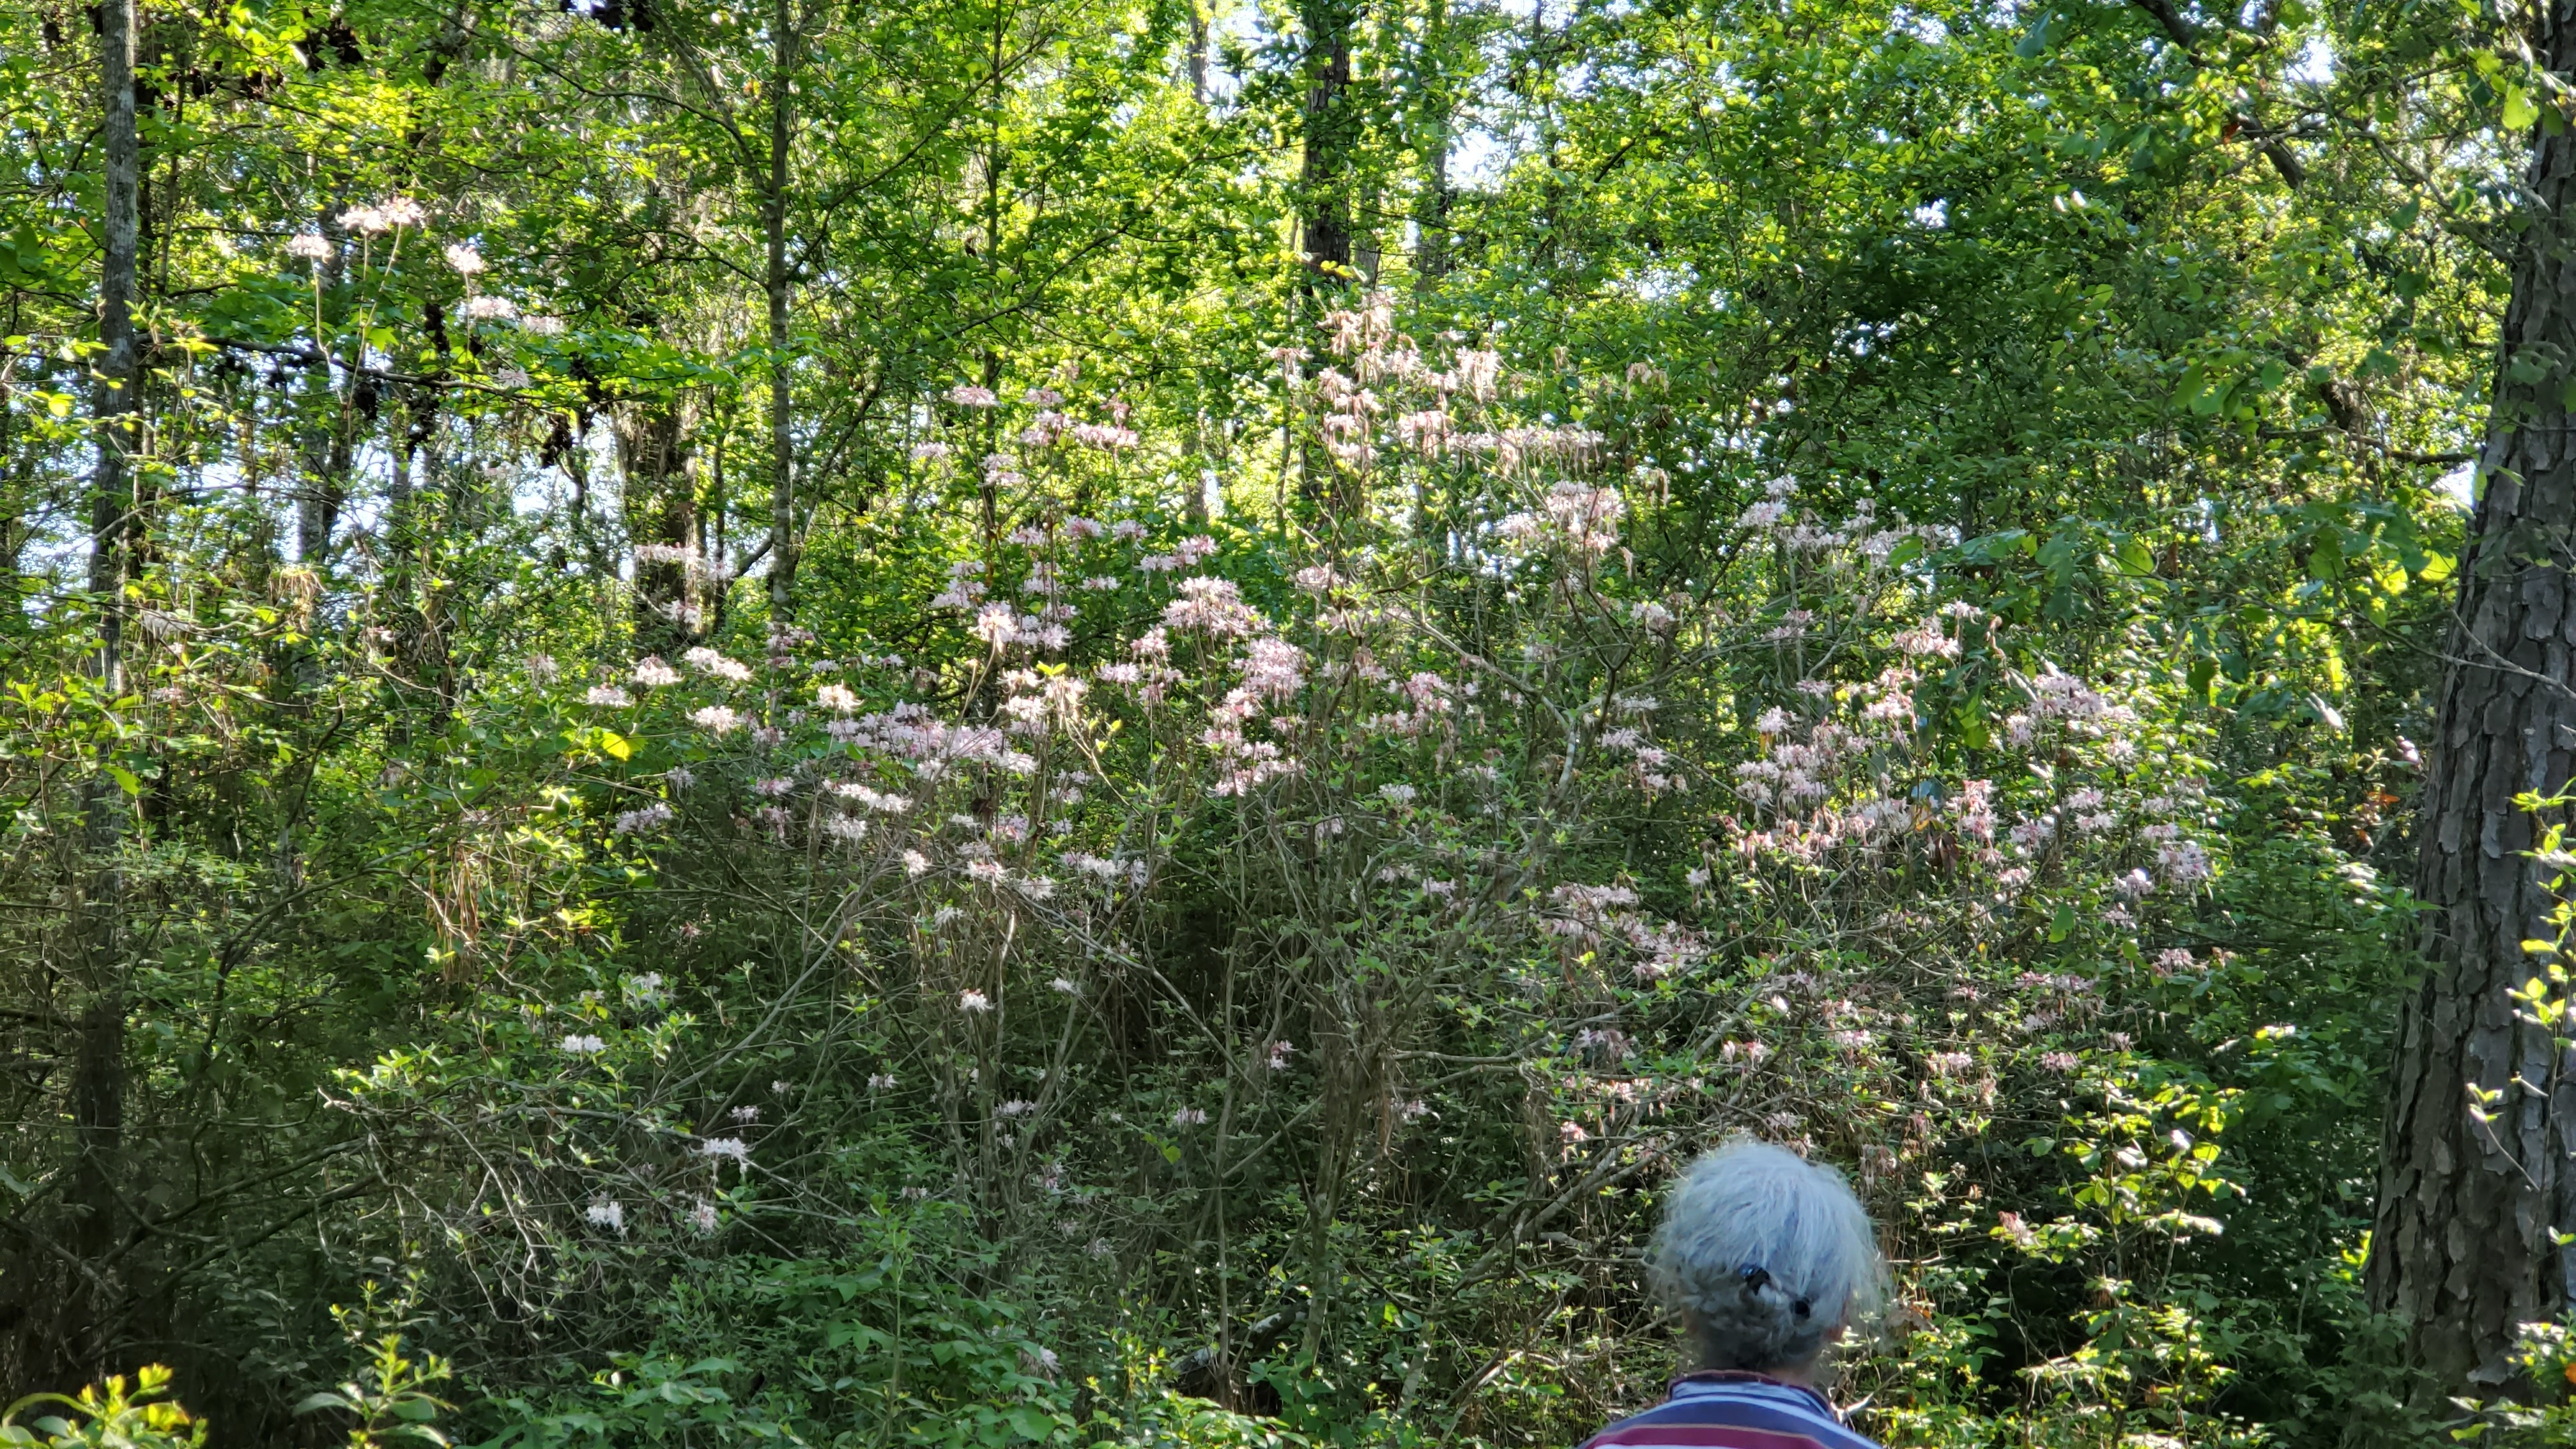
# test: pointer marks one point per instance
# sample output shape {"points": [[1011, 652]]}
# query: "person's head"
{"points": [[1765, 1257]]}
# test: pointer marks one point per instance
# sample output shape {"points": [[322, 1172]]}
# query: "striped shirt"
{"points": [[1724, 1410]]}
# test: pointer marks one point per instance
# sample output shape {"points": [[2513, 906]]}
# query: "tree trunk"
{"points": [[1325, 221], [989, 493], [782, 438], [421, 524], [1198, 51], [97, 1086], [2482, 1115], [325, 426], [989, 468], [661, 516], [112, 496], [1431, 209]]}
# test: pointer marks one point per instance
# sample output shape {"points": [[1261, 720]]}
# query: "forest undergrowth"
{"points": [[988, 724], [1281, 969]]}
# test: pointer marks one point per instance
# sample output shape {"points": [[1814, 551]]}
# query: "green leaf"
{"points": [[2037, 39], [2519, 111], [2325, 561], [2202, 673], [2195, 379], [615, 744]]}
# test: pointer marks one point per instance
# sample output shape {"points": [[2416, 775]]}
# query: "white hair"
{"points": [[1763, 1254]]}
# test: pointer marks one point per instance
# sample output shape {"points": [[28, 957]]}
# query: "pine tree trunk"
{"points": [[2482, 1112]]}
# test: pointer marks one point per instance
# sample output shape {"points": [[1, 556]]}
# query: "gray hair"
{"points": [[1763, 1254]]}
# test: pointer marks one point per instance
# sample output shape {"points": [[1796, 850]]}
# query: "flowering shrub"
{"points": [[1341, 932]]}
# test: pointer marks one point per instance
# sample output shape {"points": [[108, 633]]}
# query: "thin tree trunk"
{"points": [[116, 404], [98, 1052], [1431, 213], [782, 438], [1324, 201], [2482, 1111], [406, 595], [326, 452], [990, 497], [1198, 51], [990, 466]]}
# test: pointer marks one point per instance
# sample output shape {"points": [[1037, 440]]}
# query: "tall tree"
{"points": [[2477, 1183]]}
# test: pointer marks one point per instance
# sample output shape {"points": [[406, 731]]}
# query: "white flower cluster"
{"points": [[388, 215]]}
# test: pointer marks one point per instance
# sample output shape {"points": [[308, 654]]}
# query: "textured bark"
{"points": [[2461, 1249]]}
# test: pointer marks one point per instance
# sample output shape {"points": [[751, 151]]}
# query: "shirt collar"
{"points": [[1715, 1377]]}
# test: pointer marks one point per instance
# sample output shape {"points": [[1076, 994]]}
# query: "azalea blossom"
{"points": [[708, 661], [649, 817]]}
